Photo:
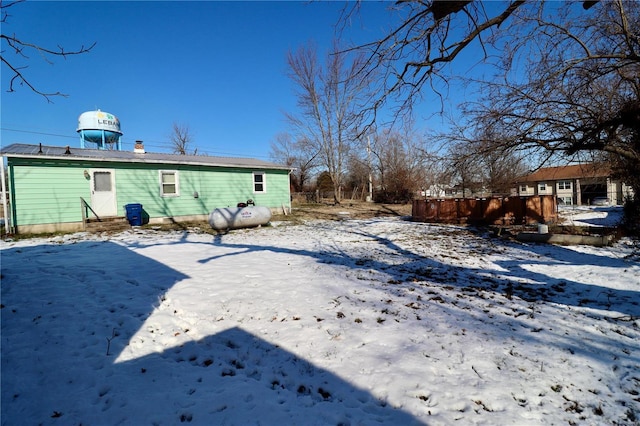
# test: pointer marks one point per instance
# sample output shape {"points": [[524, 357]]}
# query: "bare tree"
{"points": [[299, 155], [568, 77], [500, 169], [18, 52], [400, 164], [464, 170], [436, 179], [581, 91], [357, 179], [484, 162], [416, 52], [181, 140], [328, 101]]}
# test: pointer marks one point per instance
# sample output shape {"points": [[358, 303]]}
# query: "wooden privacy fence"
{"points": [[487, 211]]}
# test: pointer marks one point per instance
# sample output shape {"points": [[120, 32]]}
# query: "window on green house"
{"points": [[169, 183], [259, 182]]}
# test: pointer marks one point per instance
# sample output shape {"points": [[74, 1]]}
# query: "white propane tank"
{"points": [[239, 217]]}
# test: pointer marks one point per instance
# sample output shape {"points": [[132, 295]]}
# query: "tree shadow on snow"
{"points": [[509, 277], [511, 288], [104, 287], [525, 277], [237, 378], [69, 310]]}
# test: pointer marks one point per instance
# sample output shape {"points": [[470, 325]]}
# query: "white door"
{"points": [[103, 192]]}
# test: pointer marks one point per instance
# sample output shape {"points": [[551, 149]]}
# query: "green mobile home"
{"points": [[55, 188]]}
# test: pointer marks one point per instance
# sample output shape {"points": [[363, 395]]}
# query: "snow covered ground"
{"points": [[590, 216], [353, 322]]}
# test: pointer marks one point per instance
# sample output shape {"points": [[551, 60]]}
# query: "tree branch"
{"points": [[19, 46]]}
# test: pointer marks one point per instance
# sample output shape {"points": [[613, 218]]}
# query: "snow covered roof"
{"points": [[68, 153]]}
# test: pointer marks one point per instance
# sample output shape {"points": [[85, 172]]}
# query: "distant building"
{"points": [[577, 184], [435, 191]]}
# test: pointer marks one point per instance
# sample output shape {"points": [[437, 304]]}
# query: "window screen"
{"points": [[169, 183], [102, 181]]}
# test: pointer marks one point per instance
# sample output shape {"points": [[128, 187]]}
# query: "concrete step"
{"points": [[115, 223]]}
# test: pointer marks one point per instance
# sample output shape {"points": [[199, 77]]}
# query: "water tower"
{"points": [[100, 128]]}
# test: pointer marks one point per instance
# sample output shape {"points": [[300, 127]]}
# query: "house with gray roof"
{"points": [[53, 188]]}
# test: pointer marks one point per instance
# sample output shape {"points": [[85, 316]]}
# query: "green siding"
{"points": [[215, 188], [50, 191]]}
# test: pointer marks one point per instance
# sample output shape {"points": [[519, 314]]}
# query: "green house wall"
{"points": [[49, 191]]}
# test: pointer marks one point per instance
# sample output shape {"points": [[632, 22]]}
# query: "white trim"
{"points": [[7, 214], [113, 207], [263, 183], [176, 174], [564, 185]]}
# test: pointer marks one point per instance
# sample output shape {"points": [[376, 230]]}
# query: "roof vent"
{"points": [[138, 148]]}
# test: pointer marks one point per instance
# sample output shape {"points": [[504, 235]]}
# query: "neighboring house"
{"points": [[49, 187], [577, 184], [435, 191]]}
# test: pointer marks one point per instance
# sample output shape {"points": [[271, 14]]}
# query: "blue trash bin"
{"points": [[134, 214]]}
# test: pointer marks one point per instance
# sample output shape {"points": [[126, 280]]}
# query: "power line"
{"points": [[61, 136], [37, 133], [164, 145]]}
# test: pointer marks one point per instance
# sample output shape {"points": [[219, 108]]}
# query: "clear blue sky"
{"points": [[218, 67]]}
